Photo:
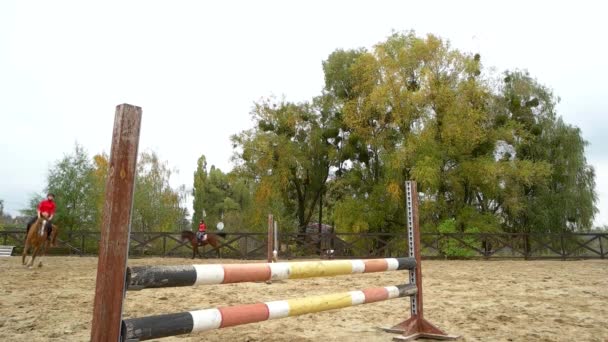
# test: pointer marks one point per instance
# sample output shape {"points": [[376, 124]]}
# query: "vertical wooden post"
{"points": [[116, 225], [562, 246], [320, 244], [270, 238], [275, 243], [416, 326]]}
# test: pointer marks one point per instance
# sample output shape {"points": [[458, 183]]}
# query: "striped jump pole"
{"points": [[146, 328], [142, 277]]}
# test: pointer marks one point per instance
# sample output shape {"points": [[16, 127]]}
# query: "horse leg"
{"points": [[44, 248], [34, 253], [194, 250], [217, 250]]}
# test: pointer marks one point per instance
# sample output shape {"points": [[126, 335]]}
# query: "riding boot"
{"points": [[49, 230]]}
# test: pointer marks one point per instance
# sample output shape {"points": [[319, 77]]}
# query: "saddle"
{"points": [[201, 237]]}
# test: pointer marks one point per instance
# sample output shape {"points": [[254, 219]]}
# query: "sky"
{"points": [[196, 68]]}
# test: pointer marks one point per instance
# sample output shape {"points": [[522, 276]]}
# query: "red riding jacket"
{"points": [[202, 228], [47, 206]]}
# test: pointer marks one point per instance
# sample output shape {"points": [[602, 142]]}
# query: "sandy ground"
{"points": [[479, 300]]}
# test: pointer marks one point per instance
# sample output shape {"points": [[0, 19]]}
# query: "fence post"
{"points": [[116, 225], [527, 246], [563, 247], [269, 238], [164, 245], [81, 243], [601, 247]]}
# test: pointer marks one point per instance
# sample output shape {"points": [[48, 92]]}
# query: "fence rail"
{"points": [[347, 245]]}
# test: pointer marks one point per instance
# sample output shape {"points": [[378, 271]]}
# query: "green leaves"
{"points": [[222, 197], [156, 205], [71, 179], [288, 156], [488, 157], [78, 182]]}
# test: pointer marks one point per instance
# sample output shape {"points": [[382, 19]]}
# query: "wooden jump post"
{"points": [[116, 225], [275, 242], [269, 247], [272, 239]]}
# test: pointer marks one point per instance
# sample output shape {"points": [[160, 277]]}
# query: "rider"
{"points": [[46, 208], [202, 231]]}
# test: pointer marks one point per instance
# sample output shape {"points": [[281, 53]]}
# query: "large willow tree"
{"points": [[488, 153]]}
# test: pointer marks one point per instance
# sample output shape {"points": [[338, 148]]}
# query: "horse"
{"points": [[212, 239], [37, 240]]}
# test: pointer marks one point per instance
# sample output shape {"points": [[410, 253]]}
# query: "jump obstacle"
{"points": [[108, 324], [6, 251]]}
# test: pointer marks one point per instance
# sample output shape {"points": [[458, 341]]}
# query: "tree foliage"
{"points": [[78, 182], [488, 153], [156, 205], [222, 197], [288, 154], [70, 179]]}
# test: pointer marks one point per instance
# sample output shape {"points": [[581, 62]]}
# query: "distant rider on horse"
{"points": [[46, 208], [202, 231]]}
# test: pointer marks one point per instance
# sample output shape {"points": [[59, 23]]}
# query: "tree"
{"points": [[156, 206], [3, 218], [198, 190], [565, 200], [70, 179], [223, 197], [99, 176], [288, 155], [487, 157]]}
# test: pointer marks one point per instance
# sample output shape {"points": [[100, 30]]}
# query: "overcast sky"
{"points": [[196, 67]]}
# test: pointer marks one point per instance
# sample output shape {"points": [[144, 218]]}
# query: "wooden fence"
{"points": [[347, 245]]}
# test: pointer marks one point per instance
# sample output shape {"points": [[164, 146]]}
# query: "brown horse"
{"points": [[212, 239], [36, 239]]}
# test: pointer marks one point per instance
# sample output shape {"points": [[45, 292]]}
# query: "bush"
{"points": [[452, 248]]}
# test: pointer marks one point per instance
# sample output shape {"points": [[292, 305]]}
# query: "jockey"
{"points": [[202, 231], [46, 208]]}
